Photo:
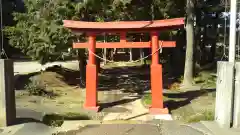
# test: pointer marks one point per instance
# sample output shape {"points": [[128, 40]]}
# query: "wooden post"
{"points": [[224, 94], [105, 51], [141, 55], [130, 54], [141, 51], [232, 31], [156, 79], [236, 110], [98, 61], [7, 94], [105, 55], [91, 78]]}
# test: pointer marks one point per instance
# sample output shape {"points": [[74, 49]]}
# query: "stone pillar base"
{"points": [[158, 110], [92, 108]]}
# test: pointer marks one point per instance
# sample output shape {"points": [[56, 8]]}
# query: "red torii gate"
{"points": [[94, 28]]}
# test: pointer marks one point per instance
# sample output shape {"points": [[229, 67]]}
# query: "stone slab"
{"points": [[218, 130], [236, 110], [163, 117], [224, 93], [7, 93], [122, 129]]}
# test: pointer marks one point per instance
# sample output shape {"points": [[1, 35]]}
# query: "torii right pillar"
{"points": [[157, 106]]}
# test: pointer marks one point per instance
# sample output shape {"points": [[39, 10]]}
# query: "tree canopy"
{"points": [[39, 34]]}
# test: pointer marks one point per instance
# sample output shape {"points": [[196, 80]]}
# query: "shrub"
{"points": [[207, 115], [56, 120], [36, 88]]}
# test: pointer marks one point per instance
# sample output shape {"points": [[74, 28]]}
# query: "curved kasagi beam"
{"points": [[124, 25]]}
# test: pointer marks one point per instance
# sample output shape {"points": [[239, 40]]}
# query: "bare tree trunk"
{"points": [[214, 42], [110, 54], [141, 52], [130, 54], [189, 61], [105, 55], [198, 39], [105, 51], [82, 67], [141, 56], [98, 61]]}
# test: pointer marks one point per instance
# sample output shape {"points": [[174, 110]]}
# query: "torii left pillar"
{"points": [[91, 77]]}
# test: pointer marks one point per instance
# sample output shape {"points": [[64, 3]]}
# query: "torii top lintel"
{"points": [[124, 25]]}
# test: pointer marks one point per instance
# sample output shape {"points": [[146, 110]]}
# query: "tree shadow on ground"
{"points": [[71, 77], [127, 79], [115, 103], [132, 79], [57, 120], [25, 120], [51, 119], [189, 96], [48, 117]]}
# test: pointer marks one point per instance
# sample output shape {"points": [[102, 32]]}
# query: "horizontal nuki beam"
{"points": [[125, 44]]}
